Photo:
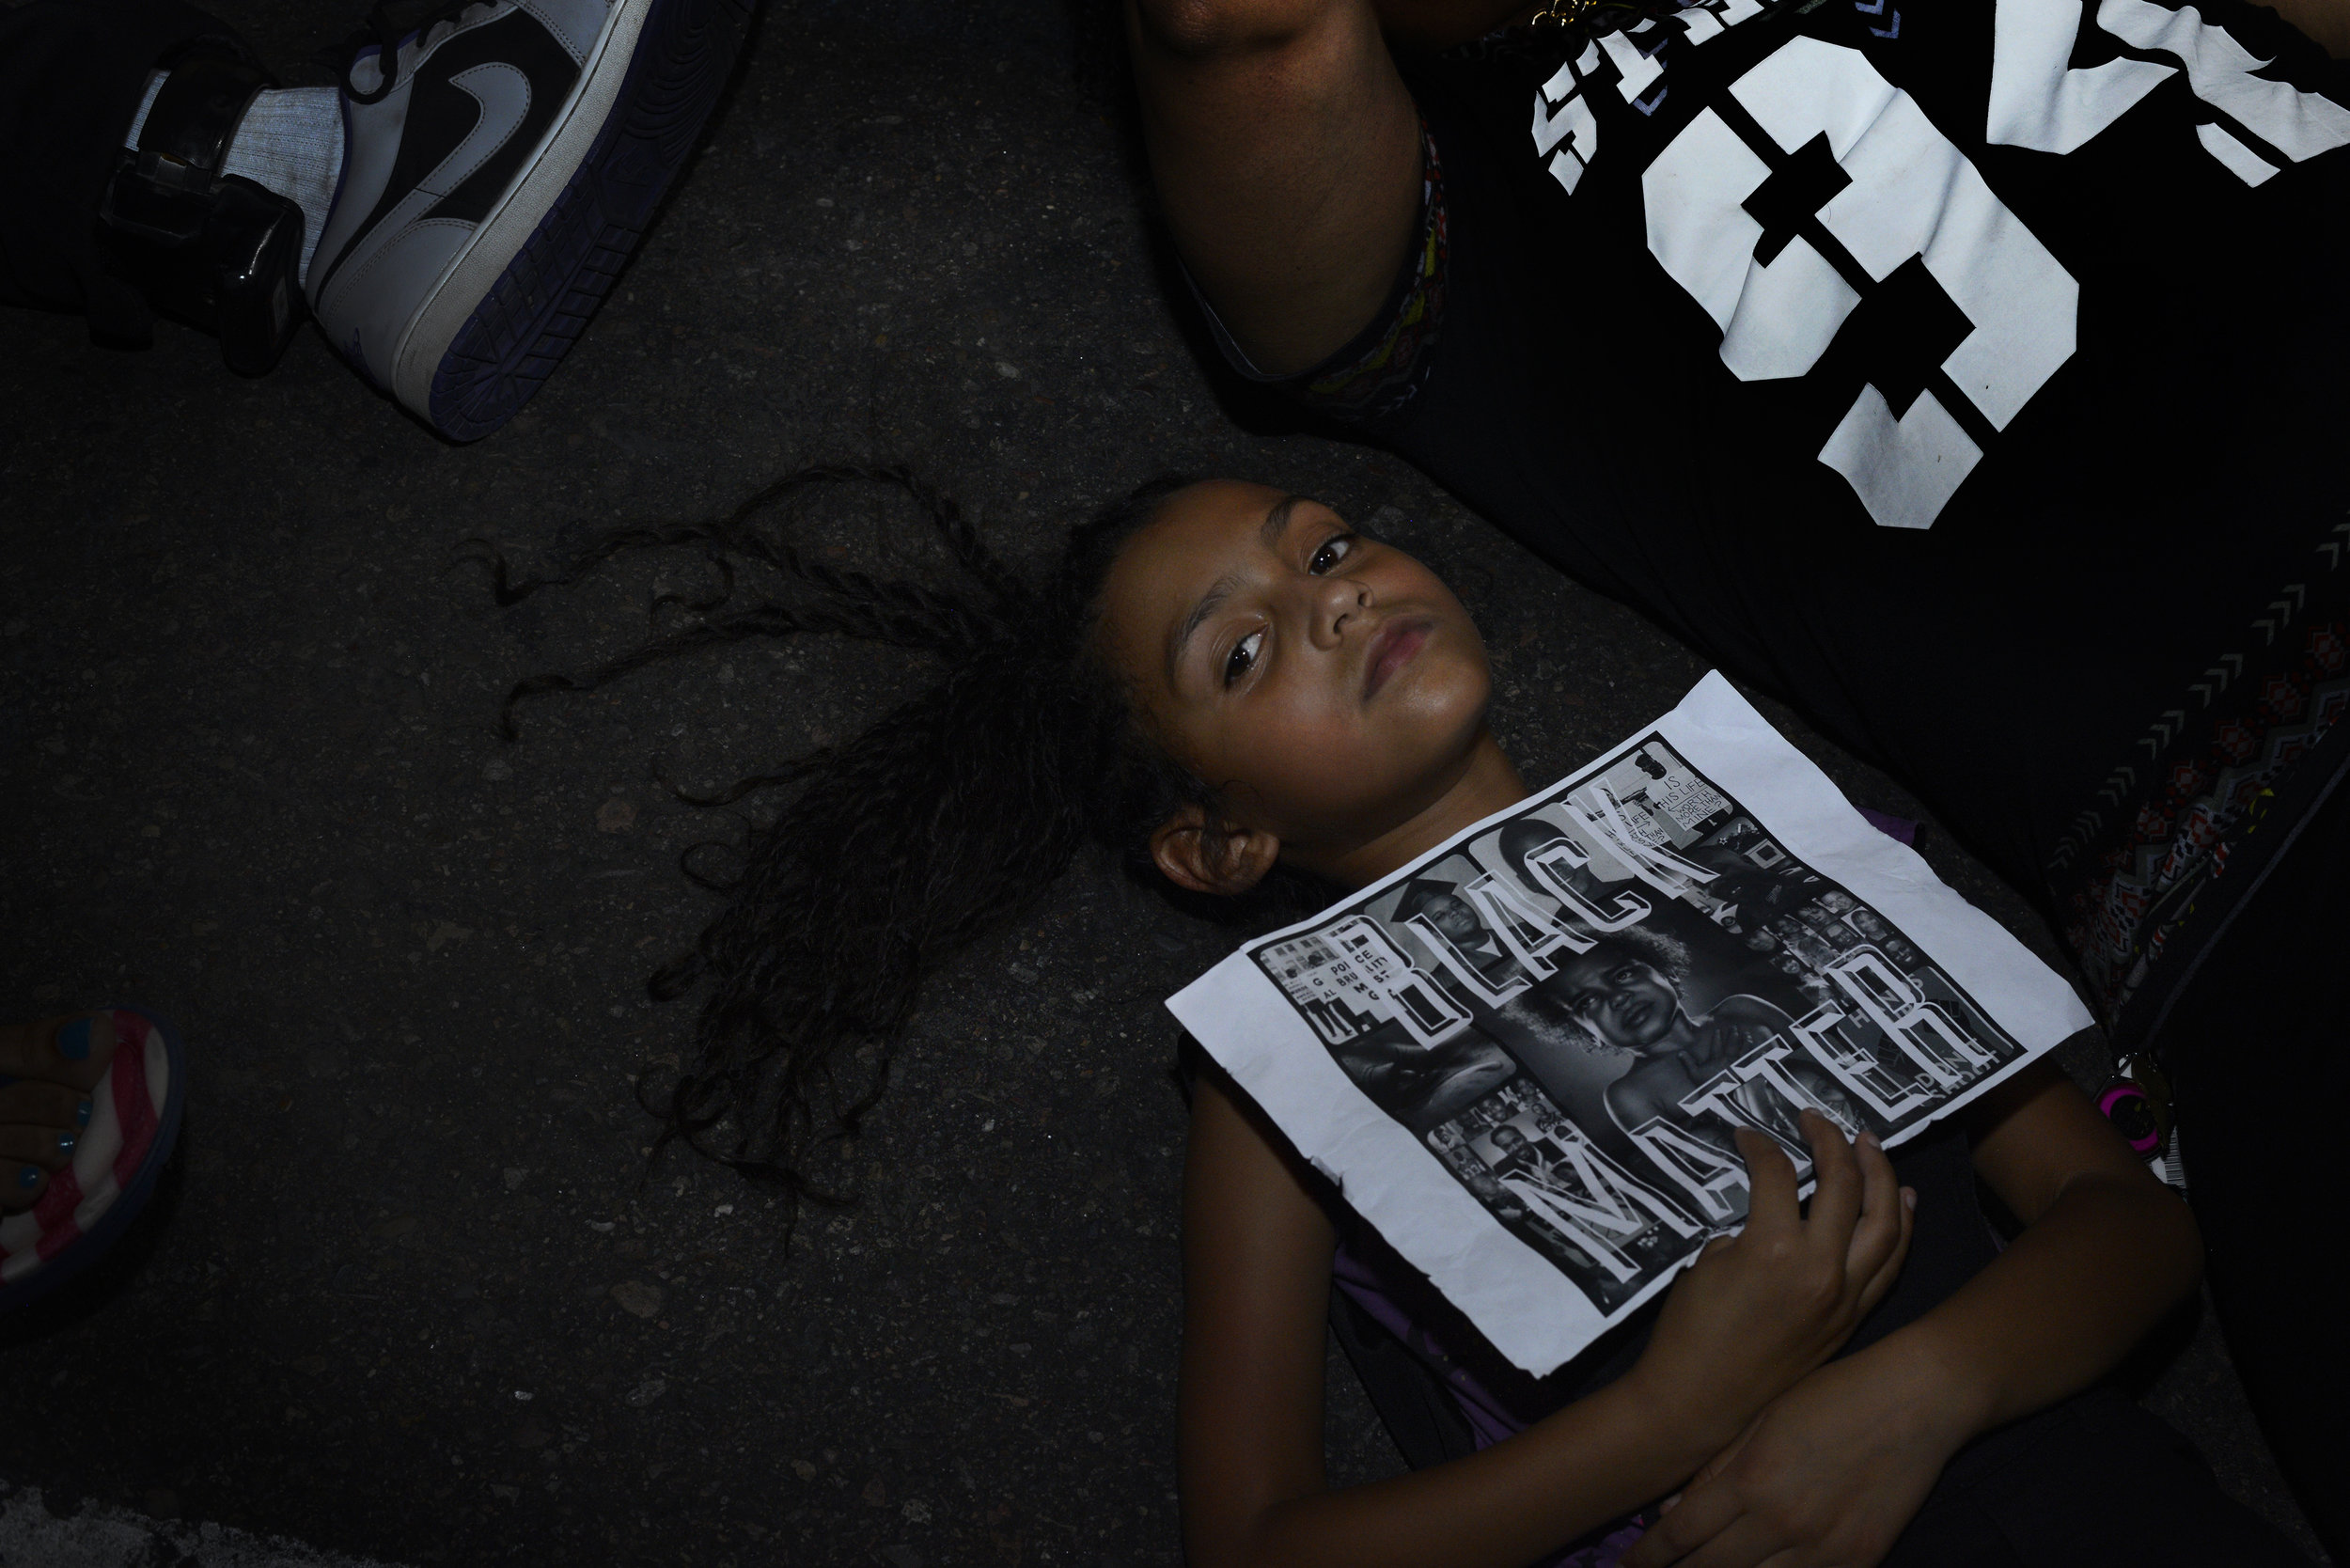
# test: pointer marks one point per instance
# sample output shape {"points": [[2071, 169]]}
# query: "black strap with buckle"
{"points": [[217, 251]]}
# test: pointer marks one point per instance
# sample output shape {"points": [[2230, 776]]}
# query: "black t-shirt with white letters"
{"points": [[1973, 375]]}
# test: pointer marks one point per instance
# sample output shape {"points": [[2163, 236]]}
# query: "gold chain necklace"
{"points": [[1580, 15], [1591, 18]]}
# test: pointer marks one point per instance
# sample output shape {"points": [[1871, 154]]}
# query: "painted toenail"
{"points": [[81, 1114], [66, 1142], [29, 1177], [73, 1040]]}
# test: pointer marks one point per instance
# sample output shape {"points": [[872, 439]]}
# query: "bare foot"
{"points": [[54, 1063]]}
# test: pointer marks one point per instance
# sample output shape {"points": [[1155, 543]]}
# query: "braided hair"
{"points": [[946, 817]]}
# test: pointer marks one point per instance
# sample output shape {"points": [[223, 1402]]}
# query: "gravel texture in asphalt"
{"points": [[415, 1292], [103, 1536]]}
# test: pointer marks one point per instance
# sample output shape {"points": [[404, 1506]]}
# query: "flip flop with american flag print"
{"points": [[135, 1120]]}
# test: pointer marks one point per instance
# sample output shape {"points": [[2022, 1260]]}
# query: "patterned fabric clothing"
{"points": [[2162, 849]]}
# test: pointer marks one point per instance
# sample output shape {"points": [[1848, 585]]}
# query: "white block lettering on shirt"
{"points": [[2036, 100], [2297, 124], [2237, 159]]}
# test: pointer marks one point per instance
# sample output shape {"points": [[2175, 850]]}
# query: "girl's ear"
{"points": [[1223, 858]]}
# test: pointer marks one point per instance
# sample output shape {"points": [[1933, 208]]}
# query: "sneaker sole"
{"points": [[503, 317]]}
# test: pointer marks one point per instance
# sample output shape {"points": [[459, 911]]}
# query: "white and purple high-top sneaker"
{"points": [[499, 164]]}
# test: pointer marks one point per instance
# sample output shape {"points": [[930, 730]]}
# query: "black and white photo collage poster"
{"points": [[1523, 1057]]}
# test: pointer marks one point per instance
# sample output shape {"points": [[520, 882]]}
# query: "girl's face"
{"points": [[1326, 687]]}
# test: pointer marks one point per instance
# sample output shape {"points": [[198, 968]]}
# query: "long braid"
{"points": [[948, 816]]}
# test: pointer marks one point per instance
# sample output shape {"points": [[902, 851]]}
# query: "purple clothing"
{"points": [[1900, 828], [1490, 1418]]}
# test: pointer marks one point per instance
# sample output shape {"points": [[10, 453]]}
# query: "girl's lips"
{"points": [[1390, 651]]}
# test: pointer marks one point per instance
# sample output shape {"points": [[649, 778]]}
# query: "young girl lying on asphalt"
{"points": [[1222, 680]]}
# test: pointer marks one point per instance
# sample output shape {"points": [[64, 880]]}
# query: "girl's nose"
{"points": [[1337, 601]]}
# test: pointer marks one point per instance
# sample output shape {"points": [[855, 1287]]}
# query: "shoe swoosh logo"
{"points": [[503, 94], [477, 106]]}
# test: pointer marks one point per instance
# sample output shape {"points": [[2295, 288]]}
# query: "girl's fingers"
{"points": [[1836, 1201], [1722, 1461], [1737, 1540], [1749, 1541], [1771, 1203], [1703, 1512], [1880, 1224], [1886, 1272]]}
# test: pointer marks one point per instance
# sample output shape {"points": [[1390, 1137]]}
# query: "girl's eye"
{"points": [[1244, 656], [1333, 551]]}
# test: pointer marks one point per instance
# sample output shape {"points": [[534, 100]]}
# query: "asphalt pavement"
{"points": [[415, 1293]]}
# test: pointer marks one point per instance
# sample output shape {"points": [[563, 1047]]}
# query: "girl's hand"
{"points": [[1832, 1472], [1759, 1311]]}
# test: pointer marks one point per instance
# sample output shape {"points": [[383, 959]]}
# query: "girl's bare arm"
{"points": [[1257, 1280], [2107, 1250], [1840, 1465]]}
